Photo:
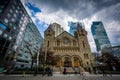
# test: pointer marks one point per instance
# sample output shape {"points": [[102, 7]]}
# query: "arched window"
{"points": [[87, 63], [74, 42], [83, 44], [85, 55], [66, 41], [58, 43], [48, 44]]}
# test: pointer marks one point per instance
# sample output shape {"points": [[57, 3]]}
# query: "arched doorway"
{"points": [[58, 61], [76, 61], [67, 62]]}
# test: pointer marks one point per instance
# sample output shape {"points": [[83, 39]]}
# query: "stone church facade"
{"points": [[72, 52]]}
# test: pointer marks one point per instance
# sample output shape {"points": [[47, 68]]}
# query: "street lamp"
{"points": [[37, 61], [44, 64]]}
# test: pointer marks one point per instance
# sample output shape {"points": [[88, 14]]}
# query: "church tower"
{"points": [[71, 52], [49, 36], [84, 47]]}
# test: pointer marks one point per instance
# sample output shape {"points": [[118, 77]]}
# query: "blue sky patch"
{"points": [[33, 8], [40, 25]]}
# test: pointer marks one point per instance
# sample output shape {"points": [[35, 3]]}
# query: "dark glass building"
{"points": [[73, 26], [18, 34], [100, 36]]}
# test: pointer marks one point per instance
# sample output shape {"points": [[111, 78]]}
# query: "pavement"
{"points": [[60, 77]]}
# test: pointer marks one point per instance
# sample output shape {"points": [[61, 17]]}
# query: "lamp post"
{"points": [[37, 62], [44, 64]]}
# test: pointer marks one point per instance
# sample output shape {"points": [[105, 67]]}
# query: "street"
{"points": [[59, 77]]}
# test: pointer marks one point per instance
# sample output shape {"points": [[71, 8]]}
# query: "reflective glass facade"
{"points": [[73, 26], [15, 33], [115, 50], [100, 35]]}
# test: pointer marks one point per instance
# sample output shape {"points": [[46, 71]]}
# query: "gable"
{"points": [[65, 34], [49, 31]]}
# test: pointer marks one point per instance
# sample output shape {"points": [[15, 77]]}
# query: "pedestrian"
{"points": [[35, 72], [81, 73], [75, 72], [103, 71], [50, 72], [64, 72]]}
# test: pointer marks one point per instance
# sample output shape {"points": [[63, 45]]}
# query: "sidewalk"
{"points": [[57, 74]]}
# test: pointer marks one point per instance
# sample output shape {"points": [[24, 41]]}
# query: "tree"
{"points": [[110, 59], [50, 58]]}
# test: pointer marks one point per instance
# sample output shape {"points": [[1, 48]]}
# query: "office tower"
{"points": [[73, 26], [57, 28], [16, 31], [100, 35]]}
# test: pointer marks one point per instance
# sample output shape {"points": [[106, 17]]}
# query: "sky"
{"points": [[45, 12]]}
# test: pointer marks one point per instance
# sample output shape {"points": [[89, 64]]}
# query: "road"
{"points": [[59, 77]]}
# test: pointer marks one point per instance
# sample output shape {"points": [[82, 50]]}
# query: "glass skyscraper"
{"points": [[100, 35], [19, 37], [73, 26]]}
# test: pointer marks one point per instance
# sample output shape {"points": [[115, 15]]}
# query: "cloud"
{"points": [[63, 11], [55, 17], [76, 8], [33, 9]]}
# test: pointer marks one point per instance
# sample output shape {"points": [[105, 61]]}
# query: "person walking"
{"points": [[64, 72]]}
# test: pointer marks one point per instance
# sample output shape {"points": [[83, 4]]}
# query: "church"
{"points": [[71, 52]]}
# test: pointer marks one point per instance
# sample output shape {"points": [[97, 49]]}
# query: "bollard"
{"points": [[23, 74]]}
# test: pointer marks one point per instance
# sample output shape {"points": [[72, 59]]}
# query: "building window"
{"points": [[48, 44], [16, 11], [58, 43], [74, 43], [87, 63], [14, 28], [20, 55], [18, 7], [5, 35], [8, 15], [9, 52], [11, 11], [15, 2], [86, 56], [1, 32], [0, 10], [10, 24], [83, 44], [10, 38], [66, 41], [13, 7], [14, 15], [26, 56], [13, 20], [2, 6], [6, 20]]}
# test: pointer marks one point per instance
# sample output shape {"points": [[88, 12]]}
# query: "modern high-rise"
{"points": [[19, 37], [73, 26], [100, 36], [57, 28]]}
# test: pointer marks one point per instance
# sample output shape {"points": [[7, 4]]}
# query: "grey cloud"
{"points": [[107, 11], [77, 8]]}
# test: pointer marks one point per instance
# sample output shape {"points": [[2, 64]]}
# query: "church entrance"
{"points": [[67, 62]]}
